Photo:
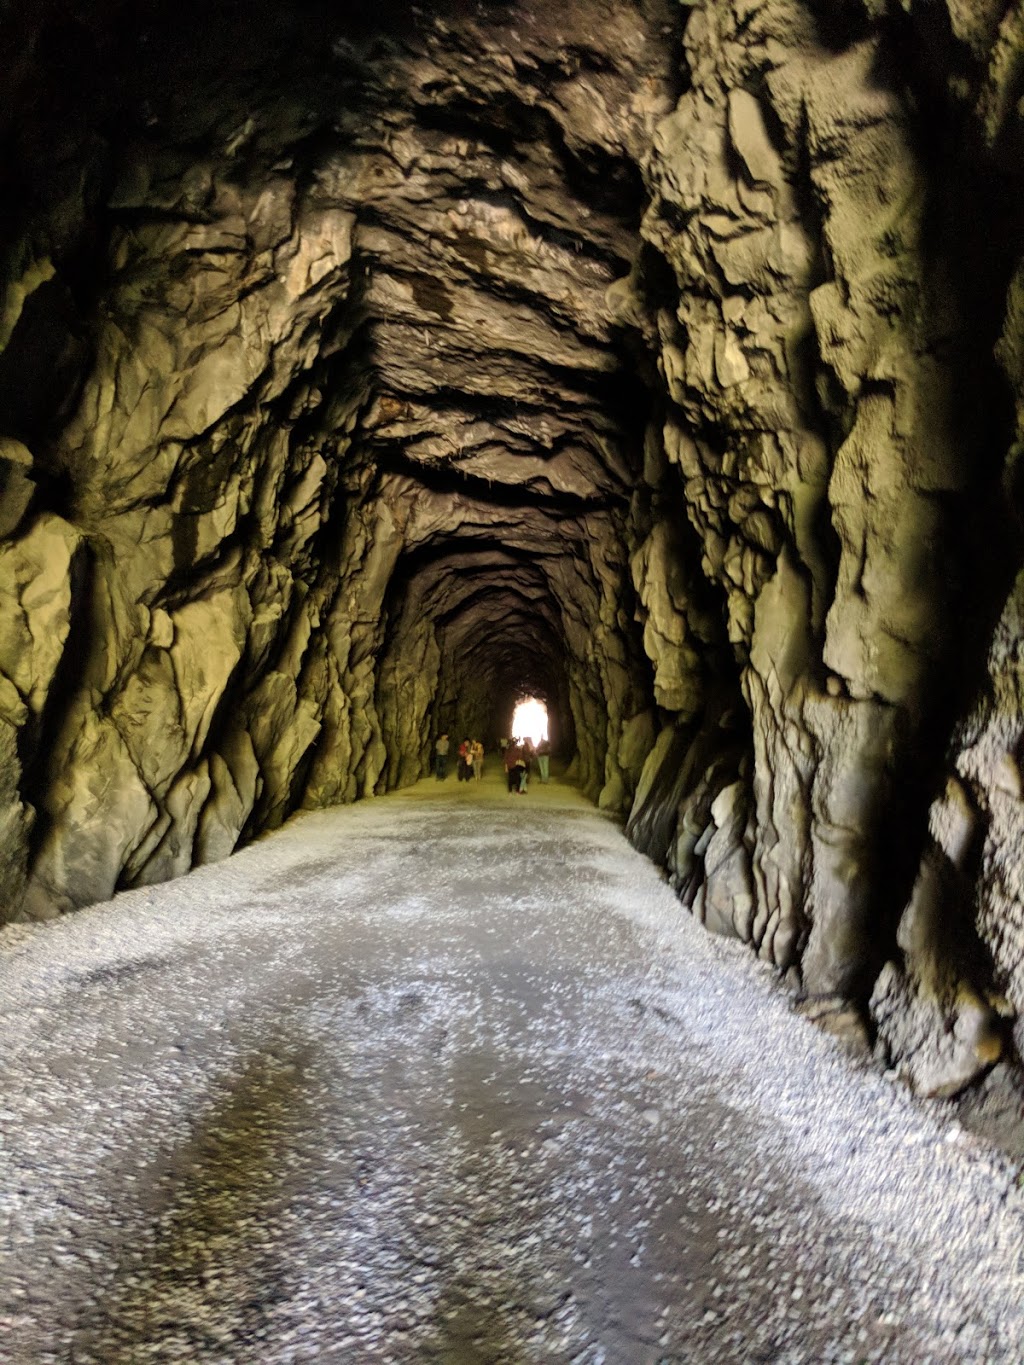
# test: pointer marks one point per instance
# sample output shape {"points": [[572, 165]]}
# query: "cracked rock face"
{"points": [[364, 371]]}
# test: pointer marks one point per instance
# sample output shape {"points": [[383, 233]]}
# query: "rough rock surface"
{"points": [[824, 368], [364, 369]]}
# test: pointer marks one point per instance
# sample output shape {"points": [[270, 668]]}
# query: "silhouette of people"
{"points": [[544, 759], [466, 760], [517, 767], [511, 773], [441, 758]]}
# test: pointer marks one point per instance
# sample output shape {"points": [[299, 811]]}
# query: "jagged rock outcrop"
{"points": [[830, 460], [362, 371]]}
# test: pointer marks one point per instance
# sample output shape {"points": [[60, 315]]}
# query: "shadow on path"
{"points": [[200, 1283]]}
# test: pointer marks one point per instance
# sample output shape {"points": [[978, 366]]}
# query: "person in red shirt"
{"points": [[465, 760]]}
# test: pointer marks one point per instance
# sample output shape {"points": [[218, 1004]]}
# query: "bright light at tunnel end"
{"points": [[530, 720]]}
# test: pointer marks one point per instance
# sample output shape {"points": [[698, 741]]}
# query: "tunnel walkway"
{"points": [[449, 1076]]}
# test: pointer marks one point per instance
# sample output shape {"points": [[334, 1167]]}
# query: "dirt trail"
{"points": [[450, 1076]]}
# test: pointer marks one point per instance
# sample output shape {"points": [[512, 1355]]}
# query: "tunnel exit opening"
{"points": [[530, 720]]}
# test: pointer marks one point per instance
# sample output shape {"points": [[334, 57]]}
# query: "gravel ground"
{"points": [[449, 1076]]}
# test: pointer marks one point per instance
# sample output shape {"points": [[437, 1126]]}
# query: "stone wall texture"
{"points": [[365, 368]]}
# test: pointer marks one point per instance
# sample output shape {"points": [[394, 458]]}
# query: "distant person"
{"points": [[441, 758], [523, 768], [512, 757], [544, 759], [465, 760], [478, 760], [503, 745]]}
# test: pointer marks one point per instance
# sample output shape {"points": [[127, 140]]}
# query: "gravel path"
{"points": [[449, 1076]]}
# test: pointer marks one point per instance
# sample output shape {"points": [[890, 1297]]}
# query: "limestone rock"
{"points": [[15, 822], [940, 1047], [16, 484], [97, 812], [35, 606]]}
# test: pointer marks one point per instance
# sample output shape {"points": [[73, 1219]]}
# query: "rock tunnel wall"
{"points": [[364, 370]]}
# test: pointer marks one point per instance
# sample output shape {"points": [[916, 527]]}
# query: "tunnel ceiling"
{"points": [[364, 367], [358, 265]]}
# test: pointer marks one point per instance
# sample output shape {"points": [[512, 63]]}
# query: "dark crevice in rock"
{"points": [[451, 479], [42, 740]]}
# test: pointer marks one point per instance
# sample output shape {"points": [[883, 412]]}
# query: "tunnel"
{"points": [[367, 368]]}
